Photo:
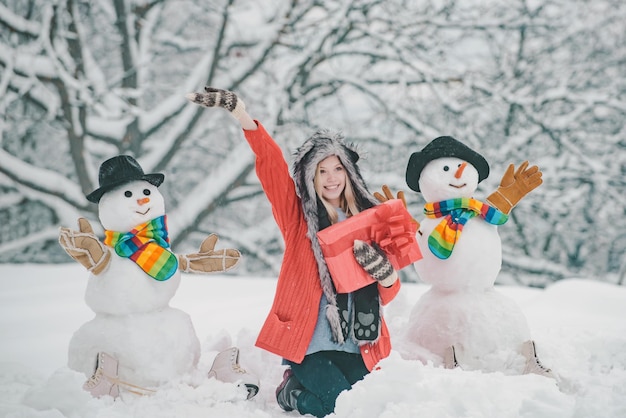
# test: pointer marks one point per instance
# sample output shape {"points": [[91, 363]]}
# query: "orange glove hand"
{"points": [[207, 260], [388, 196], [514, 186], [84, 247]]}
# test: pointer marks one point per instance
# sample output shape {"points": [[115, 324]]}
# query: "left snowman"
{"points": [[136, 340]]}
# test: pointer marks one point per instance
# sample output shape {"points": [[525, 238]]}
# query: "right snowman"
{"points": [[462, 320]]}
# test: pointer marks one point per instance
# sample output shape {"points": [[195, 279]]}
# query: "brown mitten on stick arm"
{"points": [[375, 262], [207, 260], [388, 196], [84, 247], [514, 186]]}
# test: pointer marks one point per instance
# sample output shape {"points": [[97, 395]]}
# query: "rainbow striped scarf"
{"points": [[456, 213], [147, 245]]}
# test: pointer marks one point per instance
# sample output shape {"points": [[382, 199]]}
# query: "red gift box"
{"points": [[388, 224]]}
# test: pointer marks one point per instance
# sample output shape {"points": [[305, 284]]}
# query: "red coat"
{"points": [[289, 326]]}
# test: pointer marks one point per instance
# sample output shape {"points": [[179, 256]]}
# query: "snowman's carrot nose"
{"points": [[143, 201], [459, 171]]}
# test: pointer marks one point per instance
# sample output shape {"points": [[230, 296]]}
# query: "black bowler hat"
{"points": [[441, 147], [120, 170]]}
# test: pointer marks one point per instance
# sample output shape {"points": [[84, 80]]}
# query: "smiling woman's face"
{"points": [[331, 179], [129, 205]]}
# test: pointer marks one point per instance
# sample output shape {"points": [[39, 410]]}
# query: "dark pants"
{"points": [[325, 375]]}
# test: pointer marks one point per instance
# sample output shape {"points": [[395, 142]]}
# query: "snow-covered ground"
{"points": [[579, 326]]}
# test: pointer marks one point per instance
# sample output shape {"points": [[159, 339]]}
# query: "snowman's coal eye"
{"points": [[446, 168], [128, 193], [146, 192]]}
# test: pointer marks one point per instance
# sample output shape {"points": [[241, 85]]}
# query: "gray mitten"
{"points": [[225, 99], [375, 263]]}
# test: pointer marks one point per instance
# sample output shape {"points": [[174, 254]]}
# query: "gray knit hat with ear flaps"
{"points": [[315, 149]]}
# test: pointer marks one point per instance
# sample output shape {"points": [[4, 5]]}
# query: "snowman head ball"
{"points": [[443, 147], [438, 180], [129, 205], [127, 197]]}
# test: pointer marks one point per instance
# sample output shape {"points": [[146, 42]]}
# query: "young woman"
{"points": [[310, 325]]}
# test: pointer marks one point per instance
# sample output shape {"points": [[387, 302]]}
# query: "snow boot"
{"points": [[449, 358], [226, 369], [288, 391], [104, 380], [533, 365]]}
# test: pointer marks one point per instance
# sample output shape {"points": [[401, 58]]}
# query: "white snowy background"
{"points": [[541, 80], [579, 326], [525, 79]]}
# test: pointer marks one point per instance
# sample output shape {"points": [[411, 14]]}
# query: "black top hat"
{"points": [[443, 146], [119, 170]]}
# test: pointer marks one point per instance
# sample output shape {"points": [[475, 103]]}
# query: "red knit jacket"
{"points": [[289, 326]]}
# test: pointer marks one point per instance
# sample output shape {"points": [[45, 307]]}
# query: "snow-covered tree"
{"points": [[525, 79]]}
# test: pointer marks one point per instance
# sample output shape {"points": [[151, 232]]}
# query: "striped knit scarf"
{"points": [[456, 213], [147, 245]]}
